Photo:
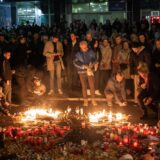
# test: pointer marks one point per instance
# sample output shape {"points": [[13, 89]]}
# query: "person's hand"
{"points": [[157, 65], [148, 101], [96, 66], [8, 83], [132, 76], [85, 66], [143, 86], [29, 51]]}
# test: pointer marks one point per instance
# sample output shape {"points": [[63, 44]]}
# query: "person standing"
{"points": [[85, 62], [115, 89], [53, 51], [6, 75], [105, 63], [19, 60], [97, 72], [138, 55]]}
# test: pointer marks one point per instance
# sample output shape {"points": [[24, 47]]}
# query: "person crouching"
{"points": [[149, 87], [115, 89]]}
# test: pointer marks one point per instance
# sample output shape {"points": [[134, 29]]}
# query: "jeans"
{"points": [[104, 77], [58, 69], [8, 92], [97, 80], [84, 78]]}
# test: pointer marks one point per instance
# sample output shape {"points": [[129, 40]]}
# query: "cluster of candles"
{"points": [[105, 116], [47, 134], [131, 135], [32, 114]]}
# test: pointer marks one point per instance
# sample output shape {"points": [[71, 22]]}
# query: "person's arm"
{"points": [[77, 63], [61, 52], [48, 50], [123, 91], [111, 89]]}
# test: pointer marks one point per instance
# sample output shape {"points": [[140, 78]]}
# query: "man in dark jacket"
{"points": [[139, 54], [156, 57], [149, 90], [85, 62], [20, 65], [71, 71], [6, 75]]}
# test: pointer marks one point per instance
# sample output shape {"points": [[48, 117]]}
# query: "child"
{"points": [[6, 75], [39, 89]]}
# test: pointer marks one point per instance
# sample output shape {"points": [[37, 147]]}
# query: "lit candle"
{"points": [[110, 117], [81, 111]]}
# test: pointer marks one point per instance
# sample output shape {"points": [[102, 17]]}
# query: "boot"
{"points": [[85, 104], [94, 103]]}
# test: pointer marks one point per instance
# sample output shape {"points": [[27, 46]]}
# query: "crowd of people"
{"points": [[105, 58]]}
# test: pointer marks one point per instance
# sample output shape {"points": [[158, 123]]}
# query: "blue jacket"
{"points": [[82, 59]]}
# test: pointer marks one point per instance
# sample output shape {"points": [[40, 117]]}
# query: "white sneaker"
{"points": [[109, 104], [94, 103], [88, 92], [85, 104], [60, 91], [122, 104], [50, 92], [97, 92]]}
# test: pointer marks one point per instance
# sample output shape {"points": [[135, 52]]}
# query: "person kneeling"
{"points": [[115, 89], [149, 90]]}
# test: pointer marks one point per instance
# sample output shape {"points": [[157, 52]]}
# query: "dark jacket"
{"points": [[84, 59], [72, 52], [5, 71], [135, 59], [156, 60], [153, 86]]}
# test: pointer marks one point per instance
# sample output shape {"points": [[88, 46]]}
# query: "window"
{"points": [[92, 7]]}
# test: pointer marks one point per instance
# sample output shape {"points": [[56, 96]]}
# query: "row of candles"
{"points": [[95, 117], [132, 135]]}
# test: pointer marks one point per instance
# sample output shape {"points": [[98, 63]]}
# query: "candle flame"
{"points": [[32, 114]]}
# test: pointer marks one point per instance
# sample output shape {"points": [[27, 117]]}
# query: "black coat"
{"points": [[5, 70], [135, 59], [156, 60], [153, 86]]}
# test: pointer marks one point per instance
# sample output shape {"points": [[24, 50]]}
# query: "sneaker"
{"points": [[109, 104], [94, 103], [97, 92], [122, 104], [50, 92], [7, 104], [60, 91], [88, 92], [85, 104]]}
